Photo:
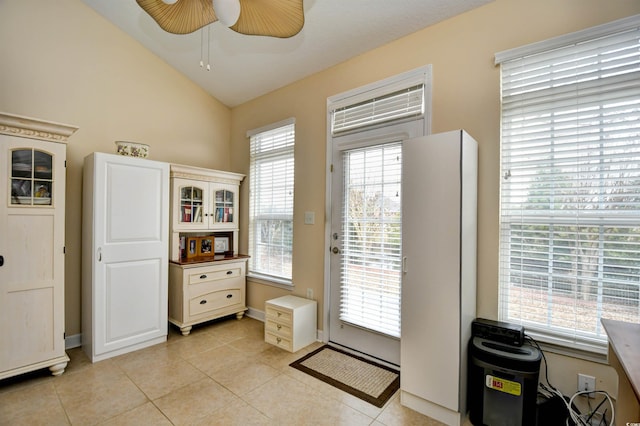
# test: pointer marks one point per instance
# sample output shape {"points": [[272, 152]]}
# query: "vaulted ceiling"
{"points": [[244, 67]]}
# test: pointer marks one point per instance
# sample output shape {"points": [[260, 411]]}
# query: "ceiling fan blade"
{"points": [[183, 17], [273, 18]]}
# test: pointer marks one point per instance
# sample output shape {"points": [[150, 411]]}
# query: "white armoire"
{"points": [[125, 246], [439, 184], [32, 244]]}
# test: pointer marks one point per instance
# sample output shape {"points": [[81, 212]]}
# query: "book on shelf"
{"points": [[197, 217], [186, 214]]}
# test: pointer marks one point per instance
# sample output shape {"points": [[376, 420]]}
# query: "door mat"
{"points": [[360, 377]]}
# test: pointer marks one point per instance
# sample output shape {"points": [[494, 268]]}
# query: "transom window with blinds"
{"points": [[570, 186], [271, 201]]}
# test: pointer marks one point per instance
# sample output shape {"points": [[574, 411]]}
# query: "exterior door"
{"points": [[32, 193], [365, 241], [130, 225]]}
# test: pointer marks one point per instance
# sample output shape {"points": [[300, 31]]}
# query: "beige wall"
{"points": [[61, 61], [465, 95]]}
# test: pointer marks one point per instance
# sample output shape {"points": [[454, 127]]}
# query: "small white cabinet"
{"points": [[202, 292], [32, 244], [290, 322]]}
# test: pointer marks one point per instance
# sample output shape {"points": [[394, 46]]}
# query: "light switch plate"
{"points": [[309, 218]]}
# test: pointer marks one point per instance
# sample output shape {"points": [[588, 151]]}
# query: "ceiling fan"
{"points": [[273, 18]]}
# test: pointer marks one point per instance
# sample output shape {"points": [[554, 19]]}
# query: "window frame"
{"points": [[526, 57], [284, 151]]}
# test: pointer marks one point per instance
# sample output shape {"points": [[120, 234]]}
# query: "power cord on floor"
{"points": [[549, 391]]}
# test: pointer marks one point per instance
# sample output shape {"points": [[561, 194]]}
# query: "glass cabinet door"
{"points": [[191, 204], [223, 206], [31, 177]]}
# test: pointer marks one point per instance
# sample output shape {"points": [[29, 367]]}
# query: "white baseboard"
{"points": [[255, 314], [74, 341], [431, 409]]}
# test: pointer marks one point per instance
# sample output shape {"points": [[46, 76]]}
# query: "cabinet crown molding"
{"points": [[33, 128], [198, 173]]}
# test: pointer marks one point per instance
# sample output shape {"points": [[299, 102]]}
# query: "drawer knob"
{"points": [[229, 272], [203, 276], [278, 339], [279, 313], [229, 296], [278, 326], [203, 302]]}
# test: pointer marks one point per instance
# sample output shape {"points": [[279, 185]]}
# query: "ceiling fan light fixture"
{"points": [[169, 1], [227, 11]]}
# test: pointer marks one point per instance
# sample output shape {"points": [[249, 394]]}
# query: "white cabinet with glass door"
{"points": [[32, 219], [205, 284], [203, 200]]}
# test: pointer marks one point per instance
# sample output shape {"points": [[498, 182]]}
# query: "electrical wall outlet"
{"points": [[586, 383], [310, 293]]}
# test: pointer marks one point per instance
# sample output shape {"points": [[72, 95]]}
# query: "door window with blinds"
{"points": [[271, 202], [372, 229], [570, 184]]}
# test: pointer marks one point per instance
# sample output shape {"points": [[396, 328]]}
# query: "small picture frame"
{"points": [[192, 247], [221, 245], [205, 246]]}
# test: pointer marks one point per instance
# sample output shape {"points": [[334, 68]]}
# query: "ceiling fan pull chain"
{"points": [[201, 47], [208, 46]]}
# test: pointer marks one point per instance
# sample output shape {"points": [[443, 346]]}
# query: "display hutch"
{"points": [[32, 244], [207, 276]]}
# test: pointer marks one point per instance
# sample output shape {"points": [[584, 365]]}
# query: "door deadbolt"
{"points": [[335, 250]]}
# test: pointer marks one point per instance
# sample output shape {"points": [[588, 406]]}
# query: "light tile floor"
{"points": [[221, 374]]}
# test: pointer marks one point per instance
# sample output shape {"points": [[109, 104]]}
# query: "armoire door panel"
{"points": [[132, 300], [133, 218], [31, 329], [32, 249]]}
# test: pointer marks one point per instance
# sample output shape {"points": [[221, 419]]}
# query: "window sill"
{"points": [[270, 281], [594, 354]]}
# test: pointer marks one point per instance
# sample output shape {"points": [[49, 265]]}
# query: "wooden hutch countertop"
{"points": [[205, 259], [624, 339]]}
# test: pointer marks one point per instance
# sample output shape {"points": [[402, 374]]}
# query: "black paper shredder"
{"points": [[503, 383]]}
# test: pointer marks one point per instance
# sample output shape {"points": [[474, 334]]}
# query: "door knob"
{"points": [[335, 250]]}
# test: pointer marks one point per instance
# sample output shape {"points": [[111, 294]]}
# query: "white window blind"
{"points": [[372, 229], [400, 104], [271, 202], [570, 187]]}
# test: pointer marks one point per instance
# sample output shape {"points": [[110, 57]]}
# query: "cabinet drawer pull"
{"points": [[278, 326], [229, 296], [278, 339], [229, 272], [203, 276], [279, 314], [203, 302]]}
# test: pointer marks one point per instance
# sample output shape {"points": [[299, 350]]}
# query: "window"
{"points": [[570, 186], [271, 202]]}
